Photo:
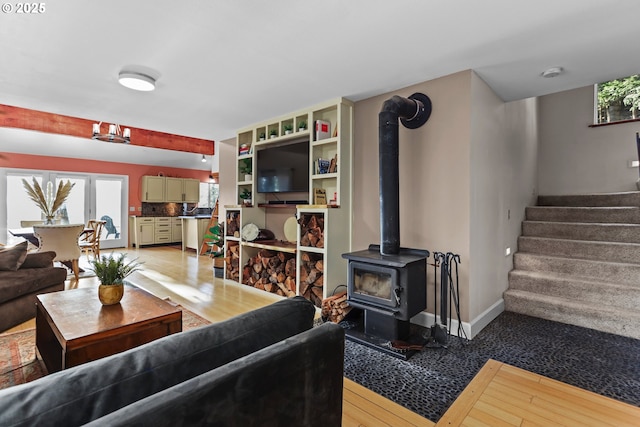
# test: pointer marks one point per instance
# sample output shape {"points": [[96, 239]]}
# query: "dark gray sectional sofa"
{"points": [[267, 367]]}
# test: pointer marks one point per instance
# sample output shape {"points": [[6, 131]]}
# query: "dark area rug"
{"points": [[432, 379]]}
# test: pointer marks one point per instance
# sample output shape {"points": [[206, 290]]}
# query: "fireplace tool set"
{"points": [[449, 297]]}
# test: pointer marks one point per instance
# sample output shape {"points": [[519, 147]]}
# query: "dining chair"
{"points": [[63, 240], [90, 241]]}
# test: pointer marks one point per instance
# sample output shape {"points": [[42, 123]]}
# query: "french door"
{"points": [[94, 196]]}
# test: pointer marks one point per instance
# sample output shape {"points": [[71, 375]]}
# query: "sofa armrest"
{"points": [[295, 382]]}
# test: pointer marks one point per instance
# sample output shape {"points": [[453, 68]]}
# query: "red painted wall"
{"points": [[134, 171]]}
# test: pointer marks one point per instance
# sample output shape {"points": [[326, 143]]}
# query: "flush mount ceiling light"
{"points": [[136, 81], [552, 72]]}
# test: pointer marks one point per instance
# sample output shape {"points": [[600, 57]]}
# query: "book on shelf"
{"points": [[333, 164], [321, 166], [323, 129]]}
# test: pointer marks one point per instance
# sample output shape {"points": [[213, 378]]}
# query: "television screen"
{"points": [[284, 168]]}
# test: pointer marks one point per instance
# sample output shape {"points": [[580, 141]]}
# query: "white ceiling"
{"points": [[225, 64]]}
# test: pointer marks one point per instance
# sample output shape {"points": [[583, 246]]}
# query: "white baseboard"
{"points": [[426, 319]]}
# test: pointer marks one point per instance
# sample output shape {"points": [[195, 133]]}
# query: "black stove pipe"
{"points": [[413, 112]]}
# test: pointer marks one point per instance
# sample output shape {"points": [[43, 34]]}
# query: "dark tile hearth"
{"points": [[432, 379]]}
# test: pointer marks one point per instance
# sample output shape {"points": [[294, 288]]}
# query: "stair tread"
{"points": [[582, 242], [575, 259], [570, 278], [566, 302], [564, 223]]}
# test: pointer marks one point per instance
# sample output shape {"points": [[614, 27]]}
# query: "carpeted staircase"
{"points": [[578, 262]]}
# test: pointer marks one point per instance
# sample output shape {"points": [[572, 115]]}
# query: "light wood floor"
{"points": [[499, 395], [503, 395]]}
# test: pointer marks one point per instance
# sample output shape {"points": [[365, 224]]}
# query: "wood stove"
{"points": [[389, 288], [387, 281]]}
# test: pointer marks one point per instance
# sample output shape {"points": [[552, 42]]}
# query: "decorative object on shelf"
{"points": [[250, 232], [115, 134], [245, 167], [245, 195], [273, 133], [319, 196], [291, 229], [262, 136], [323, 129], [302, 126], [50, 201], [288, 128], [111, 273], [244, 149]]}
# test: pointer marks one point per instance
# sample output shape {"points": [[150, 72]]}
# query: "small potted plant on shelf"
{"points": [[245, 168], [216, 248], [262, 136], [288, 128], [302, 126], [245, 195], [273, 133], [111, 272]]}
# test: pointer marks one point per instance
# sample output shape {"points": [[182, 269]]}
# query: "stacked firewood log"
{"points": [[312, 230], [232, 259], [311, 277], [233, 224], [335, 307], [271, 271]]}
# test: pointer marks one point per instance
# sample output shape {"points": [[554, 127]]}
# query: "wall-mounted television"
{"points": [[283, 168]]}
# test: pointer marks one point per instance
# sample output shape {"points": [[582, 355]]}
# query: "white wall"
{"points": [[503, 177], [577, 159]]}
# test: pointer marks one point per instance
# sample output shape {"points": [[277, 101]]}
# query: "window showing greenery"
{"points": [[208, 194], [618, 100]]}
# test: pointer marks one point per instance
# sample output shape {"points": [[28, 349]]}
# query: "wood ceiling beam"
{"points": [[23, 118]]}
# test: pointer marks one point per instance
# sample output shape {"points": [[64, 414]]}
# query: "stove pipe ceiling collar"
{"points": [[413, 112]]}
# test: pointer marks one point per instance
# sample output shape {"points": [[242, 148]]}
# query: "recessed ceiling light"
{"points": [[136, 81], [552, 72]]}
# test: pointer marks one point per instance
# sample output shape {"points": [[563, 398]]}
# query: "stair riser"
{"points": [[594, 270], [619, 323], [600, 251], [578, 214], [627, 297], [616, 199], [597, 232]]}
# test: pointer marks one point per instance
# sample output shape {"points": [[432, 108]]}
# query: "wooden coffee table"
{"points": [[73, 327]]}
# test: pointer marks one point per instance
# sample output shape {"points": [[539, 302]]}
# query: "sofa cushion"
{"points": [[12, 257], [39, 260], [86, 392], [25, 281]]}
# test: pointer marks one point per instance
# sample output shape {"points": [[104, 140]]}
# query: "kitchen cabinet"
{"points": [[153, 189], [182, 190], [142, 230]]}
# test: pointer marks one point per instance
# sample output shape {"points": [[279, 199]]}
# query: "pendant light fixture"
{"points": [[115, 134]]}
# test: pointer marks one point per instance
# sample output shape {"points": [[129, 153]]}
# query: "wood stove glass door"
{"points": [[373, 284]]}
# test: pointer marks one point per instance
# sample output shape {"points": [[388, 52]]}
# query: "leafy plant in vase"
{"points": [[245, 168], [273, 133], [245, 195], [48, 201], [288, 129], [216, 240], [302, 126], [111, 272], [262, 136]]}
